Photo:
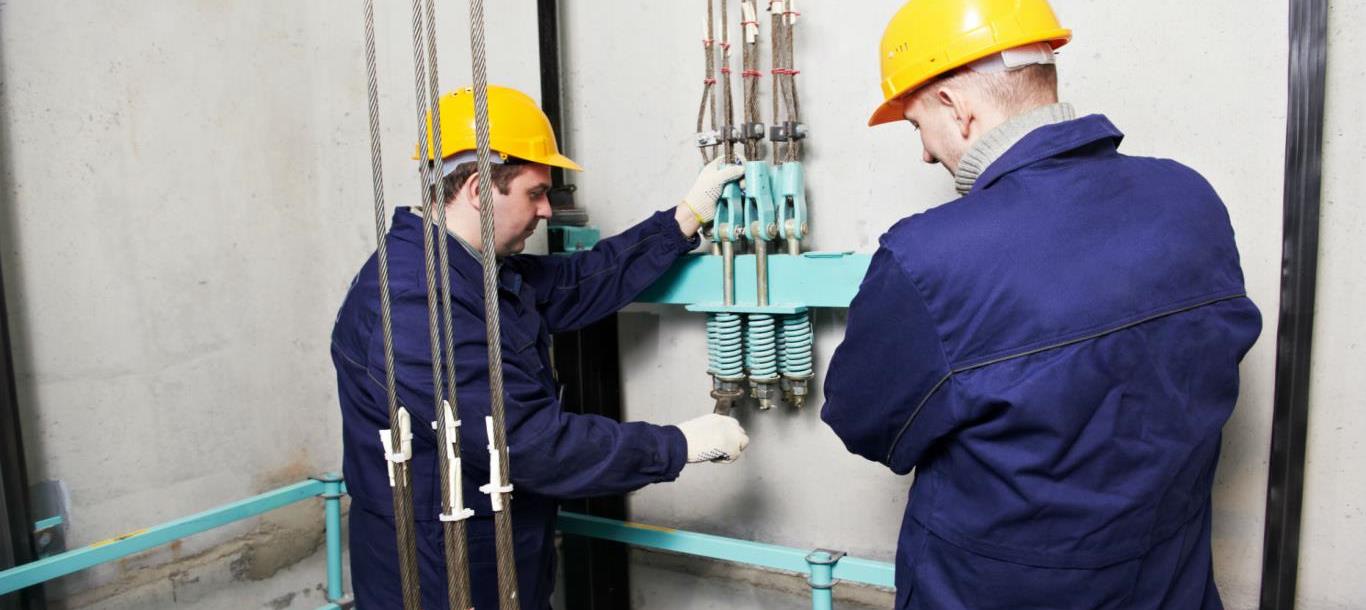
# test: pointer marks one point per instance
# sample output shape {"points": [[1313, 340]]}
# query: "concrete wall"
{"points": [[1181, 79], [184, 197]]}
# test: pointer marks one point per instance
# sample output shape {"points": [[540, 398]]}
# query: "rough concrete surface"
{"points": [[185, 194]]}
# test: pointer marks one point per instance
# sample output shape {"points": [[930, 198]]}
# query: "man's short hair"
{"points": [[1015, 90], [501, 174]]}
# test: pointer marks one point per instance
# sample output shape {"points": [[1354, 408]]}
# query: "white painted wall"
{"points": [[184, 191], [1203, 83], [184, 197]]}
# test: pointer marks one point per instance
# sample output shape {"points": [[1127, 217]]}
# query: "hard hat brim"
{"points": [[559, 160], [890, 111]]}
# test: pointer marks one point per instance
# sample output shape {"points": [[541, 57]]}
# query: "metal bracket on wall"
{"points": [[813, 279]]}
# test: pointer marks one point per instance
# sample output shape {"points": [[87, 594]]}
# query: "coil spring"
{"points": [[761, 352], [796, 340], [725, 353], [781, 346]]}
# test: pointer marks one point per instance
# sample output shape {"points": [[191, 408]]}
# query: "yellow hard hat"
{"points": [[517, 128], [927, 38]]}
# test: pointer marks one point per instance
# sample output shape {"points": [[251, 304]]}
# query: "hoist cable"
{"points": [[456, 551], [402, 490], [750, 58], [776, 59], [708, 84], [507, 565], [786, 107], [727, 101], [790, 59]]}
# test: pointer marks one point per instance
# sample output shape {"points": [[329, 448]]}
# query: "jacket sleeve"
{"points": [[552, 453], [573, 291], [884, 378]]}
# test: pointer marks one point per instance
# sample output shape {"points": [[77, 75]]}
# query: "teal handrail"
{"points": [[328, 486], [823, 567]]}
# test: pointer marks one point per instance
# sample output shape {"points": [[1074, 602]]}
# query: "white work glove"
{"points": [[707, 188], [714, 438]]}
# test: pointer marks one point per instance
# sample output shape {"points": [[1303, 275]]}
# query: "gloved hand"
{"points": [[714, 438], [707, 188]]}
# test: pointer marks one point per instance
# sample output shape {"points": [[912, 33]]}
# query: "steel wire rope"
{"points": [[402, 490], [507, 565], [453, 530], [708, 84]]}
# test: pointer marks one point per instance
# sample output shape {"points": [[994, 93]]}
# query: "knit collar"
{"points": [[988, 148]]}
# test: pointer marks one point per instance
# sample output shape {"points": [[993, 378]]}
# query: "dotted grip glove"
{"points": [[707, 188], [714, 438]]}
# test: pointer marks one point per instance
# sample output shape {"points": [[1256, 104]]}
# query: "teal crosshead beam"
{"points": [[813, 279]]}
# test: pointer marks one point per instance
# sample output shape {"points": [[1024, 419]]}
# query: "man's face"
{"points": [[941, 135], [517, 213]]}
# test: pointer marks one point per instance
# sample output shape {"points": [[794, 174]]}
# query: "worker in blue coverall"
{"points": [[553, 455], [1054, 353]]}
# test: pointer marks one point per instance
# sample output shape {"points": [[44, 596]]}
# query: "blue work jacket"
{"points": [[553, 455], [1055, 354]]}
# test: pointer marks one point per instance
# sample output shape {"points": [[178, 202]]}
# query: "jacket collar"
{"points": [[407, 227], [1051, 141]]}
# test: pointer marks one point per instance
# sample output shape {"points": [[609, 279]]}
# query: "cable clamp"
{"points": [[787, 131], [405, 450], [455, 489], [709, 138], [729, 133], [496, 487], [752, 131]]}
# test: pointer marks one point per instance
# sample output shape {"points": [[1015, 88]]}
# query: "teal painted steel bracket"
{"points": [[821, 566], [776, 310], [789, 190], [47, 524], [574, 239], [813, 279], [730, 213], [333, 492], [760, 212]]}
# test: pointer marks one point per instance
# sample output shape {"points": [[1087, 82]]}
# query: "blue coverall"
{"points": [[553, 455], [1055, 355]]}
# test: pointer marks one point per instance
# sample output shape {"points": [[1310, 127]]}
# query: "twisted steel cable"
{"points": [[402, 491], [507, 565], [434, 197]]}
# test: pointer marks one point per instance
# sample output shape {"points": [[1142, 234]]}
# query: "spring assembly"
{"points": [[724, 336], [795, 342], [713, 344], [762, 354]]}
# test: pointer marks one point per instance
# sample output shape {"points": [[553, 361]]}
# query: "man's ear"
{"points": [[956, 103], [470, 190]]}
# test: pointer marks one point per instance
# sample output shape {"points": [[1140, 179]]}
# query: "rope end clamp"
{"points": [[496, 487], [455, 489], [405, 436]]}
